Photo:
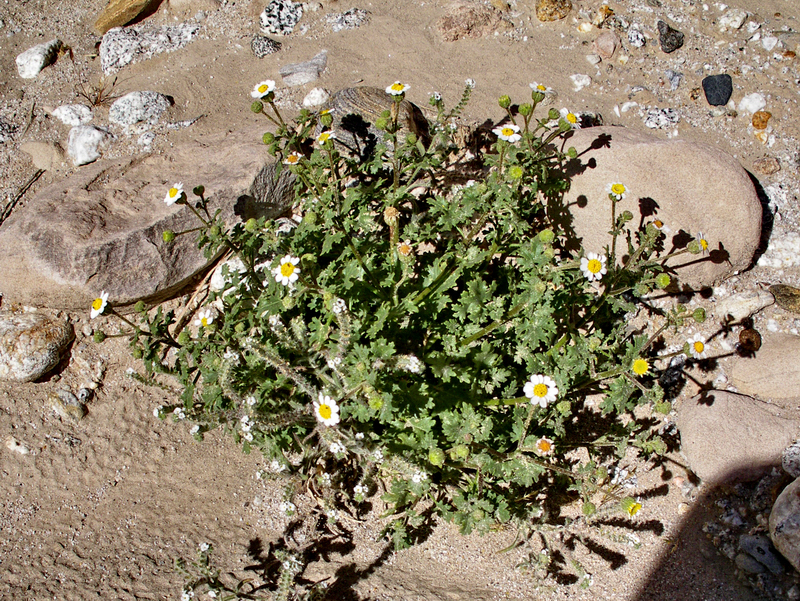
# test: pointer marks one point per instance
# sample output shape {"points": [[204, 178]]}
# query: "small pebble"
{"points": [[718, 89], [769, 42], [593, 59], [316, 97], [606, 44], [261, 46], [760, 548], [636, 38], [674, 79], [13, 445], [760, 119], [580, 81], [752, 103], [766, 165], [670, 39], [733, 19]]}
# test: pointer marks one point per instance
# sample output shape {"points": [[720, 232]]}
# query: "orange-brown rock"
{"points": [[121, 12], [760, 119], [552, 10]]}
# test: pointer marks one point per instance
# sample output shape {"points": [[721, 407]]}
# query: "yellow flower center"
{"points": [[544, 446], [97, 304], [699, 347], [204, 321], [540, 390], [541, 88], [634, 509], [323, 138], [658, 223], [704, 243], [571, 118], [404, 249], [397, 87], [287, 269], [262, 89], [173, 192], [293, 159], [618, 189], [594, 266], [325, 411], [640, 367], [507, 131]]}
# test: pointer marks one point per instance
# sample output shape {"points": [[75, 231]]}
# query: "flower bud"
{"points": [[572, 153], [239, 327], [504, 102], [515, 172], [326, 119], [99, 336], [664, 407], [627, 215], [594, 343], [699, 315], [375, 402], [198, 190], [257, 106], [537, 97], [553, 114], [436, 457], [564, 125], [214, 230], [547, 236], [137, 353], [411, 139], [139, 307], [167, 236], [250, 225], [268, 138], [694, 247], [183, 338], [630, 506], [662, 281], [589, 509], [526, 109], [549, 252], [640, 289], [459, 452], [382, 123]]}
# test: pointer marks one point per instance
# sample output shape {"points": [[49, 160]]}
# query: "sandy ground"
{"points": [[101, 508]]}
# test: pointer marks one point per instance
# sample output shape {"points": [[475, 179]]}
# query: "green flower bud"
{"points": [[139, 307], [515, 172], [699, 315], [547, 236], [436, 457], [375, 402], [589, 509], [594, 343], [694, 247], [382, 123], [553, 114], [99, 336], [326, 119], [268, 138], [537, 97], [459, 452], [257, 106], [564, 125], [198, 190], [477, 515], [167, 236], [137, 353], [183, 338], [564, 408], [572, 153], [663, 408], [239, 327], [640, 289], [549, 252], [540, 287], [251, 225], [504, 102], [214, 230], [627, 215], [663, 280], [411, 139], [526, 109]]}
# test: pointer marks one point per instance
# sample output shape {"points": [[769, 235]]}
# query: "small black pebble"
{"points": [[718, 89], [669, 38]]}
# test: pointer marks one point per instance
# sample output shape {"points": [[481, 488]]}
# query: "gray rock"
{"points": [[281, 16], [674, 79], [301, 73], [6, 132], [262, 46], [694, 187], [784, 523], [670, 39], [101, 228], [350, 19], [138, 106], [84, 143], [31, 344], [718, 89], [772, 373], [636, 38], [657, 118], [120, 47], [45, 155], [790, 460], [760, 548], [747, 441], [33, 60], [748, 564], [73, 114]]}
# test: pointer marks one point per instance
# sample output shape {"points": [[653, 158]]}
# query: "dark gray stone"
{"points": [[669, 38], [261, 46], [760, 548], [718, 89], [6, 131]]}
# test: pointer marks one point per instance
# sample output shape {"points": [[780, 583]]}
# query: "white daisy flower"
{"points": [[174, 194], [250, 400], [397, 88], [570, 118], [544, 446], [703, 242], [339, 306], [287, 272], [697, 347], [293, 158], [540, 88], [194, 429], [263, 88], [593, 266], [419, 477], [326, 410], [540, 390], [287, 507], [204, 318], [157, 411], [99, 304], [617, 190], [470, 83], [248, 436], [508, 132], [325, 136], [204, 547], [337, 448]]}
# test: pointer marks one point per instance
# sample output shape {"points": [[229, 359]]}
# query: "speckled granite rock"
{"points": [[31, 344]]}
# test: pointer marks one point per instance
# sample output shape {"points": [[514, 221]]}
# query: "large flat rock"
{"points": [[692, 187], [101, 228]]}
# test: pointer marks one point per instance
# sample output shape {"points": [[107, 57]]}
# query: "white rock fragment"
{"points": [[316, 97], [84, 142], [12, 444], [138, 106], [626, 106], [73, 114], [301, 73], [593, 59], [782, 253], [752, 103], [121, 46], [580, 81], [752, 26], [34, 59], [743, 305], [769, 42], [732, 20]]}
